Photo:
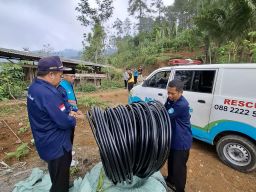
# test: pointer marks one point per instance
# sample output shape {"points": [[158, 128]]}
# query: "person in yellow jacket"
{"points": [[130, 80]]}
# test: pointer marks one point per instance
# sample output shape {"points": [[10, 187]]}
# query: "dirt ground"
{"points": [[205, 171]]}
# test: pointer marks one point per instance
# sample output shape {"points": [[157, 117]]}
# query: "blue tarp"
{"points": [[93, 181]]}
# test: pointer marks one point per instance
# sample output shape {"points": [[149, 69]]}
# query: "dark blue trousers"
{"points": [[177, 169]]}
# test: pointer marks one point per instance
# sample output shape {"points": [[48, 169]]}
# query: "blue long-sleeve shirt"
{"points": [[50, 122], [180, 121], [135, 73], [68, 94]]}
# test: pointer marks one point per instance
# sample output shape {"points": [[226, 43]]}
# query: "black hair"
{"points": [[42, 73], [177, 84], [72, 71]]}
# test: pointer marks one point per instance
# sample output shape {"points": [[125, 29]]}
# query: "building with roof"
{"points": [[88, 71]]}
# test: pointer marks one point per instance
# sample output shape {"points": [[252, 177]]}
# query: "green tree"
{"points": [[251, 46], [95, 17], [127, 26], [171, 18], [159, 6], [184, 11], [146, 24], [118, 25], [138, 7], [93, 52], [225, 21], [91, 16]]}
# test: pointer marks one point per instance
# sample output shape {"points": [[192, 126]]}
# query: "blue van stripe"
{"points": [[217, 127]]}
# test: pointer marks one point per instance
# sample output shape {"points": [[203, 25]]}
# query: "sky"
{"points": [[34, 23]]}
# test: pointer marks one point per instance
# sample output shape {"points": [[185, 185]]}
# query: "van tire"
{"points": [[237, 152]]}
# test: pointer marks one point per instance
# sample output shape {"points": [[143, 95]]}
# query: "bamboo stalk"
{"points": [[19, 140], [11, 130]]}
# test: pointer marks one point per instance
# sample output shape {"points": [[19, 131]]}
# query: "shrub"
{"points": [[108, 84], [150, 60], [163, 58], [74, 171], [86, 87], [11, 84], [22, 130], [91, 102], [21, 151], [114, 74]]}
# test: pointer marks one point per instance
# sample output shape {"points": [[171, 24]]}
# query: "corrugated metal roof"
{"points": [[25, 55]]}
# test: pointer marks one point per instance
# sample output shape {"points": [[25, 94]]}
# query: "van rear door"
{"points": [[198, 90]]}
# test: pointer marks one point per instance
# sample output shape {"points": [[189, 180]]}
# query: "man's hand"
{"points": [[72, 113], [79, 115]]}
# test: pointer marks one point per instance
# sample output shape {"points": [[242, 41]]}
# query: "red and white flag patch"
{"points": [[62, 107]]}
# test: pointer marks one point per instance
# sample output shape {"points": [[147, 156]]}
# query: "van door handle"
{"points": [[201, 101], [160, 94]]}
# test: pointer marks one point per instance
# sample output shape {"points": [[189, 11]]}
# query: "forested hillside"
{"points": [[217, 31]]}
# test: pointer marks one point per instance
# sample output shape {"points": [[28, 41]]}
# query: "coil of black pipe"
{"points": [[133, 140]]}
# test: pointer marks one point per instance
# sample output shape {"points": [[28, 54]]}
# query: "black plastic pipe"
{"points": [[133, 140]]}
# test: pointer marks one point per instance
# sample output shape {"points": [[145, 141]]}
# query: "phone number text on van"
{"points": [[235, 110], [232, 106]]}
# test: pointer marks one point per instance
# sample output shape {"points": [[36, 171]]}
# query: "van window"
{"points": [[196, 81], [203, 81], [186, 77], [158, 80]]}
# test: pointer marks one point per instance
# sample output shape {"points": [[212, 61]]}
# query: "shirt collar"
{"points": [[170, 101], [46, 83]]}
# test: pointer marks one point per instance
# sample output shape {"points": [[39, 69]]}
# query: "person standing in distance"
{"points": [[50, 122], [125, 77], [135, 74], [140, 70], [130, 80], [181, 141]]}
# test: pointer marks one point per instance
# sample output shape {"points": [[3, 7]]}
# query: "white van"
{"points": [[222, 100]]}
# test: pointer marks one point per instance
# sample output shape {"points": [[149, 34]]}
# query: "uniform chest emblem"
{"points": [[171, 111]]}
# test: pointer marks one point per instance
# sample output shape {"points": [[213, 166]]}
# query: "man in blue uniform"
{"points": [[67, 91], [50, 121], [181, 141]]}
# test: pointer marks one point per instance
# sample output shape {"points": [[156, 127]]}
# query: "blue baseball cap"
{"points": [[52, 63]]}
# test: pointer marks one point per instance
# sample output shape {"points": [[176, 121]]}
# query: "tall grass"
{"points": [[91, 102]]}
